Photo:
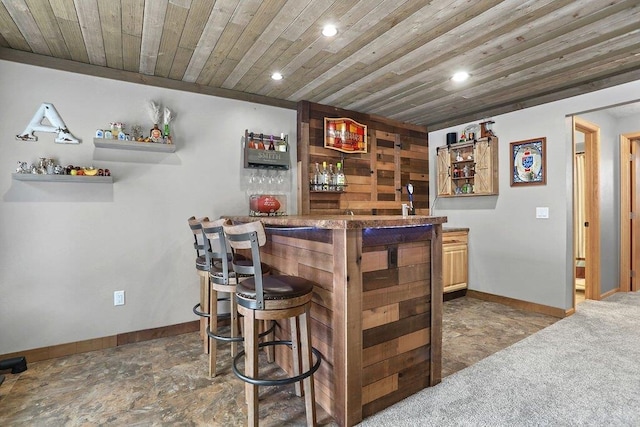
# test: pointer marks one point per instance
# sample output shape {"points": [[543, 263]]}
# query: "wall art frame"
{"points": [[528, 162]]}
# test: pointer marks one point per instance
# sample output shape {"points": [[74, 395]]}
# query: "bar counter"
{"points": [[377, 306]]}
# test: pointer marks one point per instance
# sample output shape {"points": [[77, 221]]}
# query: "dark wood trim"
{"points": [[519, 304], [435, 373], [54, 351], [132, 77], [448, 296]]}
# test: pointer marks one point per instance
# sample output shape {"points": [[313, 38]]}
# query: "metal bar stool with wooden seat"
{"points": [[273, 297], [201, 309], [222, 278]]}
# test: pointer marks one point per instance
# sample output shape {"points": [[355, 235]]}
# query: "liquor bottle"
{"points": [[261, 143], [271, 146], [332, 178], [325, 177], [316, 184], [341, 179], [252, 144], [282, 144]]}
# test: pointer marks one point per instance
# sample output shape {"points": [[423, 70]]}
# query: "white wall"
{"points": [[511, 253], [65, 247]]}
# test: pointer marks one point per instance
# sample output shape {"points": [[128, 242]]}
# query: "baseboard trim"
{"points": [[54, 351], [609, 293], [519, 304]]}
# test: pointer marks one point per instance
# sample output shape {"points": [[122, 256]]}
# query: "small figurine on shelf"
{"points": [[116, 129], [155, 134], [136, 132], [486, 129]]}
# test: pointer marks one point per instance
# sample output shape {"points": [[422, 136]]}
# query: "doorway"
{"points": [[586, 221], [629, 211]]}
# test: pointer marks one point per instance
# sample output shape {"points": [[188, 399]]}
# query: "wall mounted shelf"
{"points": [[133, 145], [63, 178]]}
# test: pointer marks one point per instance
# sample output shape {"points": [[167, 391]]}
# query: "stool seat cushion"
{"points": [[217, 262], [201, 263], [276, 287]]}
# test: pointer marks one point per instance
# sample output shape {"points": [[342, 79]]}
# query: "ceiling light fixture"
{"points": [[329, 31], [276, 76], [460, 76]]}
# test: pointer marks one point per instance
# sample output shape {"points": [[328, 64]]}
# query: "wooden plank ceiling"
{"points": [[392, 58]]}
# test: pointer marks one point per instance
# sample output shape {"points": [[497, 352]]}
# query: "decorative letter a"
{"points": [[49, 112]]}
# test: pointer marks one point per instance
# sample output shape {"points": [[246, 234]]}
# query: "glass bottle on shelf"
{"points": [[271, 146], [315, 182], [332, 178], [325, 177], [281, 144], [341, 179], [252, 143], [261, 142]]}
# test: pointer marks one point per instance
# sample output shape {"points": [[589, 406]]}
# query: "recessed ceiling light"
{"points": [[460, 76], [276, 76], [329, 31]]}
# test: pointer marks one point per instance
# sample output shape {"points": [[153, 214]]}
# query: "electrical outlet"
{"points": [[118, 298]]}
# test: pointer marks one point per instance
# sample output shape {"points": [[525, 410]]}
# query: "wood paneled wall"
{"points": [[398, 153]]}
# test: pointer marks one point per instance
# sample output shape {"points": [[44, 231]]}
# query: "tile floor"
{"points": [[164, 382]]}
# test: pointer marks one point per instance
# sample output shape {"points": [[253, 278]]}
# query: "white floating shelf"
{"points": [[63, 178], [133, 145]]}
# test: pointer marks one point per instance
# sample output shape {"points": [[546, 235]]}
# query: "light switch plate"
{"points": [[542, 213]]}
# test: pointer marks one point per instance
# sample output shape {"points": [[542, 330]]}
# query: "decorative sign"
{"points": [[48, 111], [345, 135], [528, 162]]}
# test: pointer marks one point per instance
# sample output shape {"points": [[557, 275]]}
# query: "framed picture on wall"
{"points": [[528, 162]]}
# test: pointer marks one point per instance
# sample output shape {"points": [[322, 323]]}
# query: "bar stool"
{"points": [[203, 266], [273, 297], [223, 279]]}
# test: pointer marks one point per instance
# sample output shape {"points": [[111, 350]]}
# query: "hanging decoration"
{"points": [[48, 111]]}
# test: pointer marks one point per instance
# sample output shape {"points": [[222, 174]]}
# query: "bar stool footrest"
{"points": [[198, 312], [281, 381], [224, 338]]}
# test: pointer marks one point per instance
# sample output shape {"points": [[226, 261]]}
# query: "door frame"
{"points": [[627, 263], [592, 207]]}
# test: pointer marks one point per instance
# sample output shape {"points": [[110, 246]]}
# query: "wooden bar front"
{"points": [[377, 307]]}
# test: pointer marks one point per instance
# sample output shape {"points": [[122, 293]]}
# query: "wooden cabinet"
{"points": [[468, 168], [455, 261]]}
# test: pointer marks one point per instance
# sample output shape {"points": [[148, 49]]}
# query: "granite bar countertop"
{"points": [[343, 221]]}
